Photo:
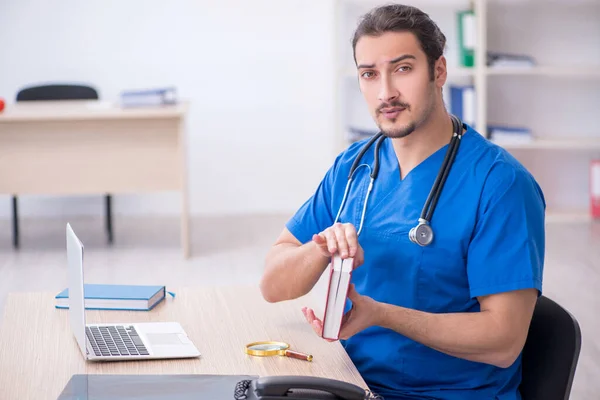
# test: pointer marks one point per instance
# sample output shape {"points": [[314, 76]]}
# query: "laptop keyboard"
{"points": [[115, 341]]}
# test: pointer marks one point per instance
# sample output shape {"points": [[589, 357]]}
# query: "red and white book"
{"points": [[595, 188], [337, 293]]}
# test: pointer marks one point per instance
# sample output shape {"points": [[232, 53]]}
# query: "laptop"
{"points": [[119, 341]]}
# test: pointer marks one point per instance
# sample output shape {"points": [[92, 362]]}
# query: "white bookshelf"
{"points": [[558, 98]]}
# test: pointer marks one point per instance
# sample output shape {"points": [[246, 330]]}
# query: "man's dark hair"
{"points": [[403, 18]]}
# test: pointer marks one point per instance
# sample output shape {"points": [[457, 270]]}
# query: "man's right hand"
{"points": [[342, 239]]}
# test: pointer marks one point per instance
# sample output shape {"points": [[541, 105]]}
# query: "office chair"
{"points": [[551, 353], [59, 92]]}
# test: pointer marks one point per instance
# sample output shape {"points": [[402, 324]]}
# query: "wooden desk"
{"points": [[38, 353], [91, 147]]}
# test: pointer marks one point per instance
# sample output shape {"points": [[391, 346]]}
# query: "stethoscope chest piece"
{"points": [[421, 234]]}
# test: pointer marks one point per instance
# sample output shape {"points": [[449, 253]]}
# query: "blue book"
{"points": [[506, 129], [509, 134], [356, 134], [116, 297]]}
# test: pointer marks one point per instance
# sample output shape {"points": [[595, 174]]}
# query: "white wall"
{"points": [[258, 74]]}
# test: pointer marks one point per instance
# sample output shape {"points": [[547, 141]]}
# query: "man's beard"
{"points": [[396, 132], [403, 131]]}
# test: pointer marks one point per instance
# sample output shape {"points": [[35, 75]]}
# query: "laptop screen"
{"points": [[76, 302]]}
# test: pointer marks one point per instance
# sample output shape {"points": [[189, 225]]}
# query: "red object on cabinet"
{"points": [[595, 188]]}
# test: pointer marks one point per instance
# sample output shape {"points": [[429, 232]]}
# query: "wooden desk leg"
{"points": [[185, 204], [185, 224], [109, 219]]}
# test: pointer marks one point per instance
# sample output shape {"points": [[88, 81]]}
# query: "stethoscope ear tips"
{"points": [[421, 234]]}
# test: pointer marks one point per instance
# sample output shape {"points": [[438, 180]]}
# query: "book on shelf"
{"points": [[337, 294], [501, 134], [508, 60]]}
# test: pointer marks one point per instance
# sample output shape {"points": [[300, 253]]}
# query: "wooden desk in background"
{"points": [[38, 353], [90, 147]]}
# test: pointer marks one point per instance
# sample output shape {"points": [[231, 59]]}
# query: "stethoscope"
{"points": [[422, 234]]}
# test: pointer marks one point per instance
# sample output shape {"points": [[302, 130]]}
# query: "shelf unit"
{"points": [[575, 72], [560, 144], [558, 98], [565, 216]]}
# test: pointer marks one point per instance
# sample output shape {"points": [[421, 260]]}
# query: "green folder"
{"points": [[467, 36]]}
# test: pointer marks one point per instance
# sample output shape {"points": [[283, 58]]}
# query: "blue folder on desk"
{"points": [[116, 297]]}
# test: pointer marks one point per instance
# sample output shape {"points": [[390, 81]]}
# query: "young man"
{"points": [[446, 320]]}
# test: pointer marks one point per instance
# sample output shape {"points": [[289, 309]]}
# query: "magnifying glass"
{"points": [[263, 349]]}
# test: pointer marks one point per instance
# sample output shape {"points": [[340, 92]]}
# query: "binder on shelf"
{"points": [[463, 103], [595, 188], [467, 37]]}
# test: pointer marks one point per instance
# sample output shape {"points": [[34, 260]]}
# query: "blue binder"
{"points": [[463, 103]]}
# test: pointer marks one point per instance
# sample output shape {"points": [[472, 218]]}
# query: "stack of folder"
{"points": [[467, 42], [149, 97], [501, 134], [358, 134], [501, 60]]}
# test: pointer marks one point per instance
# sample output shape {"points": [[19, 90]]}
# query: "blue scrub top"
{"points": [[489, 238]]}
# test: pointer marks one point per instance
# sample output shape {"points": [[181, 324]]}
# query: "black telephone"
{"points": [[299, 388]]}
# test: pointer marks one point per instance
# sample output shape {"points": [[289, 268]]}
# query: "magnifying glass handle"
{"points": [[299, 356]]}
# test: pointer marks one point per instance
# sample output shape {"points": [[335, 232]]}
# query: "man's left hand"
{"points": [[363, 314]]}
